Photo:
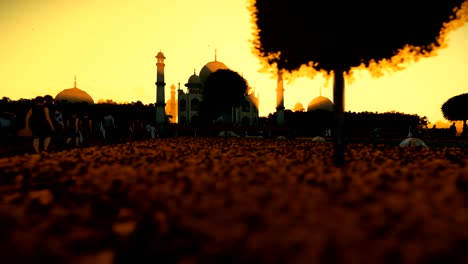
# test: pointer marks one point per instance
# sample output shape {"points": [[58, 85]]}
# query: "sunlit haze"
{"points": [[111, 47]]}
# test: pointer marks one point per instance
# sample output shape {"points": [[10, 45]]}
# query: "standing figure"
{"points": [[151, 131], [39, 122], [72, 128], [410, 132], [453, 130], [59, 125], [50, 104], [6, 127], [108, 128], [85, 128]]}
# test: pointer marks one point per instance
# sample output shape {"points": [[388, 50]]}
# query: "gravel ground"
{"points": [[237, 200]]}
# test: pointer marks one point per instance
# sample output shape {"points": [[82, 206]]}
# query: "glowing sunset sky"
{"points": [[110, 46]]}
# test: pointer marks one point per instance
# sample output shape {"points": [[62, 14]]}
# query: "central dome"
{"points": [[320, 103], [211, 67], [74, 95]]}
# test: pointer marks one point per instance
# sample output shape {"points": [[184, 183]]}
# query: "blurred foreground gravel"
{"points": [[240, 200]]}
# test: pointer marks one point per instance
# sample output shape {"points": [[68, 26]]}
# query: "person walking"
{"points": [[39, 122], [72, 128]]}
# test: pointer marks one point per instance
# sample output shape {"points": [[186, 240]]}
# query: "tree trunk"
{"points": [[464, 132], [338, 100]]}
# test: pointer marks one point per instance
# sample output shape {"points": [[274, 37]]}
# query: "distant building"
{"points": [[189, 101], [171, 106], [74, 95], [320, 103], [280, 100], [298, 107], [160, 84]]}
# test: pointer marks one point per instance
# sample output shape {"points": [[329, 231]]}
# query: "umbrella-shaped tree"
{"points": [[223, 90], [456, 108], [333, 37]]}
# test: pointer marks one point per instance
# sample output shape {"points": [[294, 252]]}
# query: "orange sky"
{"points": [[110, 46]]}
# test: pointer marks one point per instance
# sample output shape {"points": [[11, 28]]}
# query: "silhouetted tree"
{"points": [[456, 108], [335, 36], [223, 90], [106, 101], [5, 99]]}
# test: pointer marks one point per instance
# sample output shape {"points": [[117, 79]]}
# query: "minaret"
{"points": [[172, 104], [160, 84], [280, 99]]}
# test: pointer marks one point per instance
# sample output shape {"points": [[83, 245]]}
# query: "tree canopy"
{"points": [[222, 90], [336, 36], [456, 108], [331, 35]]}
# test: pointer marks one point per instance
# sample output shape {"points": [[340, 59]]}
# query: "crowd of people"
{"points": [[53, 127]]}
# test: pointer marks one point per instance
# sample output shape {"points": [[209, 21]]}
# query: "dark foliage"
{"points": [[222, 90], [335, 36], [456, 108], [344, 34], [359, 125]]}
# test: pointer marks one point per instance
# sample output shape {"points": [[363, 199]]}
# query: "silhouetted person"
{"points": [[151, 131], [410, 132], [50, 104], [86, 128], [434, 131], [38, 120], [453, 130], [59, 125], [108, 128], [6, 127], [72, 129]]}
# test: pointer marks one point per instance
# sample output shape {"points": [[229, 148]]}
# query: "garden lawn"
{"points": [[235, 200]]}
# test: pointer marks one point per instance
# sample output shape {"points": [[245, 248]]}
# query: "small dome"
{"points": [[320, 103], [194, 79], [211, 67], [74, 95], [298, 107]]}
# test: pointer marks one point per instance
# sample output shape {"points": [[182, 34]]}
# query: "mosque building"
{"points": [[320, 103], [185, 108], [74, 95]]}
